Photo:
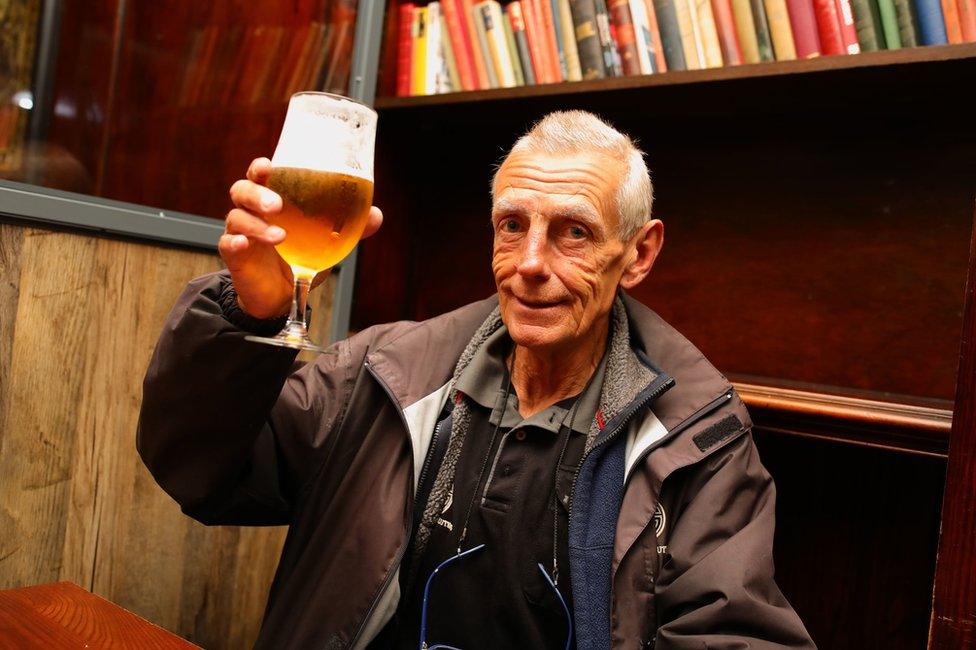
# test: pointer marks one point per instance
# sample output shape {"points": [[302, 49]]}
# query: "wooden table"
{"points": [[65, 616]]}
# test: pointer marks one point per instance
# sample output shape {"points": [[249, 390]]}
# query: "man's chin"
{"points": [[539, 335]]}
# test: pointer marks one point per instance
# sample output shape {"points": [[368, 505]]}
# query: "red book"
{"points": [[727, 37], [848, 30], [803, 22], [660, 63], [623, 25], [517, 20], [828, 27], [537, 43], [404, 49], [460, 43], [544, 10], [480, 65], [967, 20], [950, 12]]}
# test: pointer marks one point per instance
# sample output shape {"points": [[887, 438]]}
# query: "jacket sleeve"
{"points": [[715, 588], [232, 430]]}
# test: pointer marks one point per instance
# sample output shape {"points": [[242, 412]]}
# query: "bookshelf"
{"points": [[874, 60], [818, 217]]}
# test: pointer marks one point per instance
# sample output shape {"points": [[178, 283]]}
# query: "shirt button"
{"points": [[520, 435], [506, 470]]}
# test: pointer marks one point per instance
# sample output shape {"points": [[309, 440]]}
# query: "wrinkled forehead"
{"points": [[582, 186]]}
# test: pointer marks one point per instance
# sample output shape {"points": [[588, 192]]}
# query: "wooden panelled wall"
{"points": [[79, 317]]}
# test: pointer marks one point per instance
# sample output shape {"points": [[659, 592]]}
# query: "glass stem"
{"points": [[296, 325]]}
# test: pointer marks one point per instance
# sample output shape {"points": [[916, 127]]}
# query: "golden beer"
{"points": [[323, 215]]}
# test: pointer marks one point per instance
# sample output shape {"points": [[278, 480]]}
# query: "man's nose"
{"points": [[535, 254]]}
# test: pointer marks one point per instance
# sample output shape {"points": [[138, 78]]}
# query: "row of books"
{"points": [[456, 45]]}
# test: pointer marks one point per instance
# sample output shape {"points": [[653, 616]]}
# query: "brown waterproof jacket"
{"points": [[242, 434]]}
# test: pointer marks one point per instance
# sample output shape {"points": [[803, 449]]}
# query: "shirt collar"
{"points": [[485, 379]]}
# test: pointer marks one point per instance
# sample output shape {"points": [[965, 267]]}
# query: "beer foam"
{"points": [[329, 136]]}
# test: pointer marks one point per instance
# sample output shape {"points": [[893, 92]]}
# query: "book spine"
{"points": [[931, 27], [950, 13], [763, 36], [660, 62], [435, 56], [495, 37], [906, 23], [967, 20], [711, 47], [521, 41], [889, 24], [557, 34], [696, 33], [674, 52], [592, 65], [484, 46], [453, 75], [687, 32], [626, 39], [611, 57], [553, 54], [848, 31], [537, 42], [468, 14], [779, 30], [404, 48], [418, 77], [513, 55], [828, 27], [573, 69], [728, 38], [460, 44], [745, 28], [642, 35], [869, 26], [804, 24]]}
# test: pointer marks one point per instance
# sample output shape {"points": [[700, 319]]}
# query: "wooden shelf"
{"points": [[881, 59]]}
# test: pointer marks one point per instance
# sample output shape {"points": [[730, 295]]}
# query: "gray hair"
{"points": [[571, 132]]}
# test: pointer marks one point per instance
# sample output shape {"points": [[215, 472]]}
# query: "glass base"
{"points": [[287, 340]]}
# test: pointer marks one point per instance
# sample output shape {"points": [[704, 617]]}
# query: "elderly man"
{"points": [[554, 466]]}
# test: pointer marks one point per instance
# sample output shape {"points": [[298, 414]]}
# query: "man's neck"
{"points": [[542, 377]]}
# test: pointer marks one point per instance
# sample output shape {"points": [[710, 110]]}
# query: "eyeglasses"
{"points": [[424, 645]]}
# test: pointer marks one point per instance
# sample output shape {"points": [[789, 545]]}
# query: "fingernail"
{"points": [[238, 242], [269, 200], [274, 232]]}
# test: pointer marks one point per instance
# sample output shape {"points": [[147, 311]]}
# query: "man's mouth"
{"points": [[535, 303]]}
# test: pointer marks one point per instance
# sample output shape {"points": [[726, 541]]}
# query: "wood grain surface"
{"points": [[64, 616], [954, 603], [79, 317]]}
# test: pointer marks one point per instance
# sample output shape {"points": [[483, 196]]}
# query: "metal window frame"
{"points": [[23, 202]]}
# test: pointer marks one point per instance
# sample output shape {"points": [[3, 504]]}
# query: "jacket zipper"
{"points": [[653, 395], [403, 547]]}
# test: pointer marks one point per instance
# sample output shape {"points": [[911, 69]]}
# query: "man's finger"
{"points": [[374, 222], [242, 222], [259, 170], [232, 247], [255, 198]]}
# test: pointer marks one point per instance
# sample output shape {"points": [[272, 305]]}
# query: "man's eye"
{"points": [[577, 232], [510, 225]]}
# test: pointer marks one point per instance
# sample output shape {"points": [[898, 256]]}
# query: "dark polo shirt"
{"points": [[498, 598]]}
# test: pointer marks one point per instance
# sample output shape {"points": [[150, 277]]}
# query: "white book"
{"points": [[642, 32], [434, 56], [499, 46]]}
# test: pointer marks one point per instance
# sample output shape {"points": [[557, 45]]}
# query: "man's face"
{"points": [[557, 255]]}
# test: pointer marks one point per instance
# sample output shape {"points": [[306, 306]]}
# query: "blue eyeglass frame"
{"points": [[471, 551]]}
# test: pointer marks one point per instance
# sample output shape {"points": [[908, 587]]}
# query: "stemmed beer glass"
{"points": [[323, 170]]}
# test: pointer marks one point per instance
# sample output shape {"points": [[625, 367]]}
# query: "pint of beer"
{"points": [[323, 170]]}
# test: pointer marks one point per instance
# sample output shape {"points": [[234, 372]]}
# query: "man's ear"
{"points": [[642, 250]]}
